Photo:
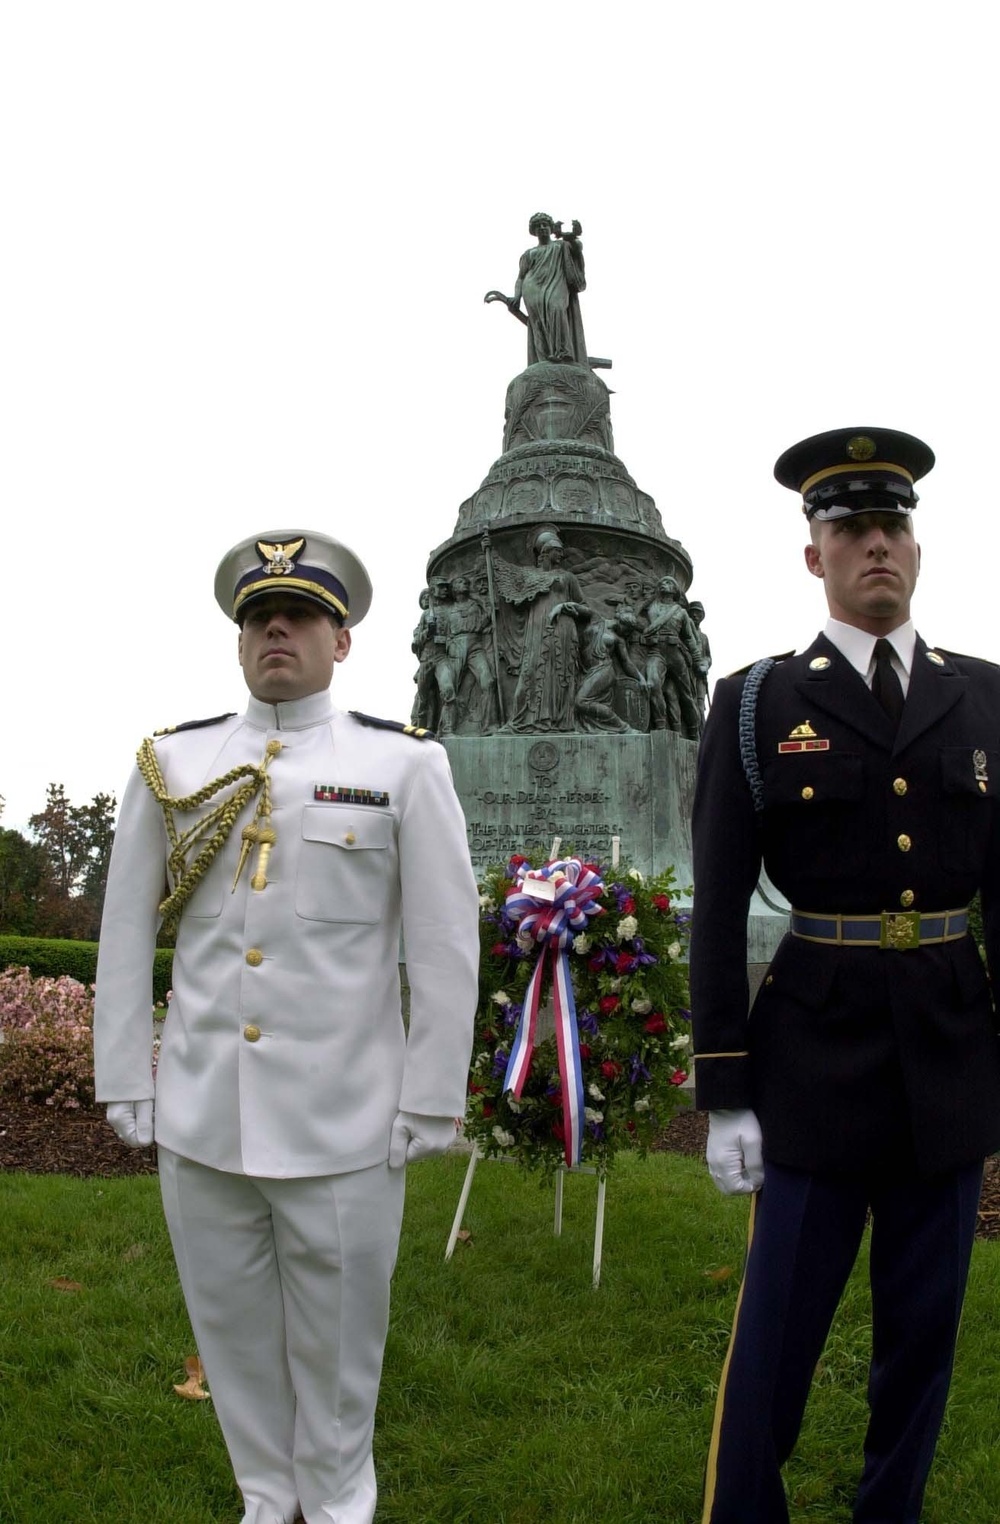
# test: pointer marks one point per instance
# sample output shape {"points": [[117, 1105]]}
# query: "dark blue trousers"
{"points": [[805, 1232]]}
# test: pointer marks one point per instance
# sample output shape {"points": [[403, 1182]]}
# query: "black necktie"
{"points": [[885, 683]]}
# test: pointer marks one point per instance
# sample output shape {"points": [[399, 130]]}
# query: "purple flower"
{"points": [[641, 955], [637, 1070], [512, 1013], [596, 1130], [500, 1061], [621, 894], [587, 1022]]}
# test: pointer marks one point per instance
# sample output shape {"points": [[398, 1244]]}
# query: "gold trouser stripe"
{"points": [[742, 1053], [711, 1468]]}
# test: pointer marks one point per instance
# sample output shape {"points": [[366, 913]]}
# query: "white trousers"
{"points": [[287, 1288]]}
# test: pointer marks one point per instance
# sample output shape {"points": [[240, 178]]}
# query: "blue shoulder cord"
{"points": [[748, 721]]}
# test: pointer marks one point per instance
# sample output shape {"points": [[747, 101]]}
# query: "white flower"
{"points": [[594, 1093], [582, 944], [485, 903], [590, 1115], [642, 1007], [505, 1139], [674, 951], [682, 1042], [501, 998], [642, 1104], [514, 1105], [615, 986], [626, 928], [634, 873], [482, 1061], [524, 940]]}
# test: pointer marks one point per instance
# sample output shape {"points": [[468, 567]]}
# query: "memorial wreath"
{"points": [[583, 1036]]}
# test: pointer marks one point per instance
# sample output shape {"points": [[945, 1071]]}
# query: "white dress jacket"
{"points": [[284, 1051]]}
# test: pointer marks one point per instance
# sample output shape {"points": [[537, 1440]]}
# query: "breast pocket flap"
{"points": [[353, 830]]}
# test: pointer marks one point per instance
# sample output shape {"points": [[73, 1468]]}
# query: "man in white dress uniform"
{"points": [[290, 845]]}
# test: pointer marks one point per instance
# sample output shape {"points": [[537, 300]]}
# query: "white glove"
{"points": [[132, 1121], [416, 1137], [734, 1153]]}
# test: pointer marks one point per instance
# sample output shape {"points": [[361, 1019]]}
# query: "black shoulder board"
{"points": [[742, 671], [416, 731], [933, 651], [216, 719]]}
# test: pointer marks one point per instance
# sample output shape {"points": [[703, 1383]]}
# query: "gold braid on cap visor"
{"points": [[213, 829], [290, 585]]}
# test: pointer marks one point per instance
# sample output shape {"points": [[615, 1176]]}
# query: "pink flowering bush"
{"points": [[46, 1039]]}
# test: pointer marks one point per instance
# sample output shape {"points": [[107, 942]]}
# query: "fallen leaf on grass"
{"points": [[193, 1388], [60, 1283], [722, 1274], [463, 1236], [134, 1253]]}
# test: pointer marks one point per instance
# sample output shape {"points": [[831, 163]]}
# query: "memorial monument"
{"points": [[559, 659]]}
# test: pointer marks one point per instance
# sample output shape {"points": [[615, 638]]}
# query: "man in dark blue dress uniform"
{"points": [[864, 775]]}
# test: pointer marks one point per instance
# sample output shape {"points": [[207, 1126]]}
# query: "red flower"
{"points": [[609, 1003], [624, 963], [678, 1077], [476, 1089], [596, 963], [628, 905], [554, 1098], [488, 1035], [610, 1069], [515, 860], [487, 1108], [630, 1126], [655, 1025], [661, 902], [499, 949], [559, 1132], [584, 1050]]}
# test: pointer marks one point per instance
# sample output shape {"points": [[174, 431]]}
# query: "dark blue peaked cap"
{"points": [[860, 470]]}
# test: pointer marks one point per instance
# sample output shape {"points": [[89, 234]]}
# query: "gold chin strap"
{"points": [[214, 828]]}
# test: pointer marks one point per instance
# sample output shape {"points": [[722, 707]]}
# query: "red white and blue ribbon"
{"points": [[553, 905]]}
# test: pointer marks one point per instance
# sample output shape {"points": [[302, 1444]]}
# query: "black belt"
{"points": [[897, 929]]}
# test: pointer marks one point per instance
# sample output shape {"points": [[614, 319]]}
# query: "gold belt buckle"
{"points": [[900, 929]]}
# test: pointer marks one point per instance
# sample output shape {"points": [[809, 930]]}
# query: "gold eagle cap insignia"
{"points": [[279, 560]]}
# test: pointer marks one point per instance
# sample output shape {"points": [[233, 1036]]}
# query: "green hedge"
{"points": [[51, 958]]}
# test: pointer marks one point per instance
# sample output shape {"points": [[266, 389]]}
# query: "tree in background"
{"points": [[53, 886]]}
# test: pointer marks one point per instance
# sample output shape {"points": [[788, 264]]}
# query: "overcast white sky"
{"points": [[244, 255]]}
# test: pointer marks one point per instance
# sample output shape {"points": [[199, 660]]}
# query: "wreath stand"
{"points": [[563, 1170]]}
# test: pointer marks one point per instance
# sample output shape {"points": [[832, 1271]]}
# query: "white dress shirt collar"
{"points": [[858, 646]]}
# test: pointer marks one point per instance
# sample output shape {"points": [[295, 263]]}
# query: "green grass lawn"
{"points": [[513, 1393]]}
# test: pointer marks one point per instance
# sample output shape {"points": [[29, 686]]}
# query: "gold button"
{"points": [[251, 1033], [273, 747], [255, 957], [906, 898], [982, 786], [807, 792], [903, 842], [819, 663], [350, 838], [899, 786], [769, 979]]}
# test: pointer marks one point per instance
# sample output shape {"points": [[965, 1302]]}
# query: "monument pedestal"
{"points": [[521, 791]]}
